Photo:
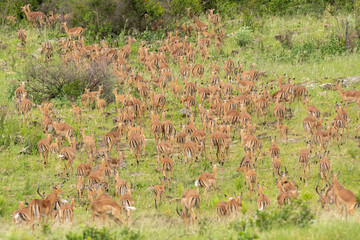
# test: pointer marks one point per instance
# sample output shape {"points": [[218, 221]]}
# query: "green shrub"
{"points": [[2, 206], [57, 80], [243, 229], [243, 36], [298, 213], [91, 233]]}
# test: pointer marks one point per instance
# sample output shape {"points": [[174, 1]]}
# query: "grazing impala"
{"points": [[234, 205], [284, 197], [105, 206], [344, 198], [21, 215]]}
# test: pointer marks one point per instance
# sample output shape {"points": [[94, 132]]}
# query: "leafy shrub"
{"points": [[92, 233], [244, 230], [2, 206], [244, 36], [56, 80], [298, 213]]}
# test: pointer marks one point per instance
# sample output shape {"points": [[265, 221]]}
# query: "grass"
{"points": [[20, 173]]}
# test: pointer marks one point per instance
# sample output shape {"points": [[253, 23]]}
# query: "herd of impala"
{"points": [[223, 113]]}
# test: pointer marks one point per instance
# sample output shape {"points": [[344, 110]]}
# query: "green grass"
{"points": [[20, 173]]}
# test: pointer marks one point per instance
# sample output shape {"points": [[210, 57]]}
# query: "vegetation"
{"points": [[315, 42]]}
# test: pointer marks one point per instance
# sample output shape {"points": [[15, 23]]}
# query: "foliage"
{"points": [[243, 36], [298, 213], [91, 233], [103, 234], [56, 80]]}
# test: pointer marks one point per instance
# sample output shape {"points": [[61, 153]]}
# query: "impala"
{"points": [[304, 160], [21, 215], [26, 108], [127, 202], [284, 131], [250, 177], [63, 130], [206, 180], [76, 113], [84, 169], [167, 166], [68, 154], [221, 210], [73, 32], [113, 137], [324, 166], [89, 142], [22, 36], [122, 186], [159, 191], [67, 212], [284, 197], [344, 198], [234, 205], [263, 200], [102, 207], [80, 187], [44, 149], [311, 110], [348, 96], [189, 200], [42, 208]]}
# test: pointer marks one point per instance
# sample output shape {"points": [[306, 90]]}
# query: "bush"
{"points": [[92, 233], [103, 234], [56, 80], [298, 213], [244, 36]]}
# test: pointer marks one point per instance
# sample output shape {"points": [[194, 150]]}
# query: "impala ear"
{"points": [[241, 195]]}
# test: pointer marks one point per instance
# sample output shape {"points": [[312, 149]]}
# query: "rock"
{"points": [[327, 86], [185, 112], [348, 81], [3, 64], [3, 46]]}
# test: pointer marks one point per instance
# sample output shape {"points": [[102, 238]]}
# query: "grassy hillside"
{"points": [[310, 65]]}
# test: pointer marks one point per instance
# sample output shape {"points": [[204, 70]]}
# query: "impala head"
{"points": [[337, 87], [242, 169], [239, 198], [334, 177], [23, 9], [57, 189], [261, 188]]}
